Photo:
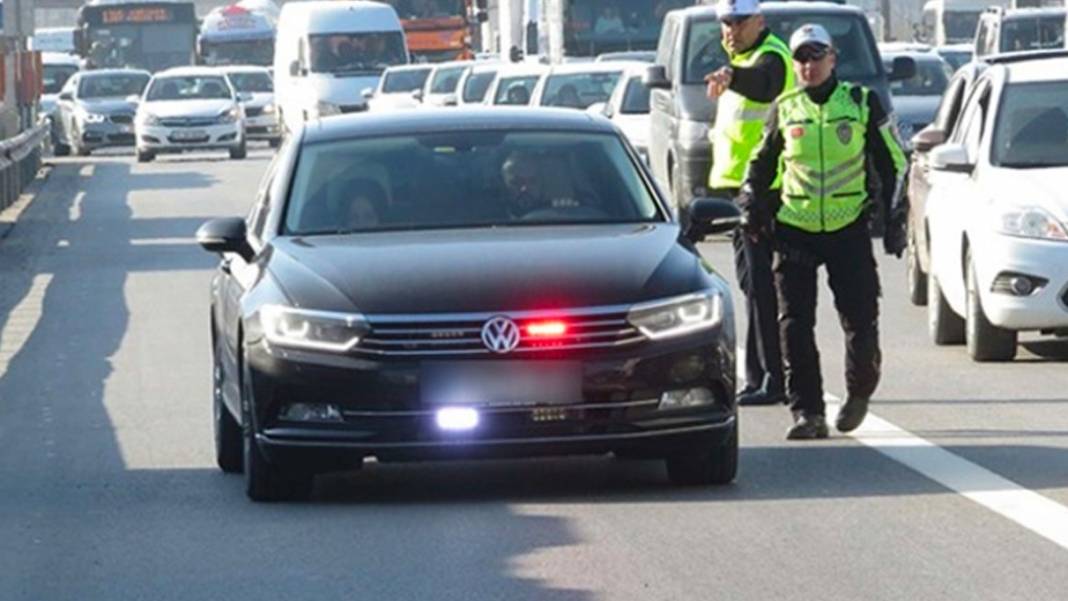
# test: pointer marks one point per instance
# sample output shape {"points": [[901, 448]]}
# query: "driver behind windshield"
{"points": [[525, 184]]}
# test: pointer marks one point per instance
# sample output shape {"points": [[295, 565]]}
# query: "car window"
{"points": [[1032, 34], [982, 37], [54, 77], [404, 81], [579, 90], [704, 51], [1032, 125], [975, 121], [446, 80], [251, 81], [114, 85], [635, 98], [361, 52], [665, 50], [515, 91], [949, 109], [257, 217], [477, 84], [191, 87], [467, 179], [931, 79]]}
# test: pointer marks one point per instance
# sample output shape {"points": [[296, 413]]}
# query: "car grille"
{"points": [[462, 334], [253, 111], [188, 121], [121, 119], [353, 108]]}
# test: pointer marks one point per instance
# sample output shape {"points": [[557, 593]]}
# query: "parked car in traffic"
{"points": [[690, 47], [997, 212], [95, 109], [529, 293], [398, 88], [628, 108], [190, 108], [261, 114], [916, 98]]}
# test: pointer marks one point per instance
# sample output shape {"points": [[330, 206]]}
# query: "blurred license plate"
{"points": [[192, 134], [501, 383]]}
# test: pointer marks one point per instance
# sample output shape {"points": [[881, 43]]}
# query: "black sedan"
{"points": [[462, 284]]}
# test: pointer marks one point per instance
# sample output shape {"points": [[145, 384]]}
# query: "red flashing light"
{"points": [[546, 329]]}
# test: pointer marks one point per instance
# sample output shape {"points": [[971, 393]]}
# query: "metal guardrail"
{"points": [[20, 160]]}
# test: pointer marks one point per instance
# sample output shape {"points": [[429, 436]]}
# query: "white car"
{"points": [[398, 87], [261, 114], [476, 82], [578, 85], [441, 87], [514, 84], [628, 108], [190, 108], [997, 212]]}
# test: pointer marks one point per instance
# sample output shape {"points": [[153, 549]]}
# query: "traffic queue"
{"points": [[538, 288]]}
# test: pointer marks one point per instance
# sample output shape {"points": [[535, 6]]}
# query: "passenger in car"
{"points": [[365, 204]]}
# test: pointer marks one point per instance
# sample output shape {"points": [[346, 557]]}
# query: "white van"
{"points": [[328, 52]]}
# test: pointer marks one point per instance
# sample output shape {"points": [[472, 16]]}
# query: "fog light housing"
{"points": [[310, 412], [1017, 284], [684, 399], [457, 419]]}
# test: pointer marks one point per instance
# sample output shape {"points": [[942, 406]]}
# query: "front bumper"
{"points": [[160, 139], [106, 134], [383, 415], [1046, 260]]}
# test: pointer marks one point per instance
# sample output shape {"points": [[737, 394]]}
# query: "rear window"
{"points": [[477, 84], [446, 80], [515, 90], [931, 79], [579, 90], [251, 81], [467, 179], [635, 98], [1032, 34], [117, 85], [857, 55], [395, 82]]}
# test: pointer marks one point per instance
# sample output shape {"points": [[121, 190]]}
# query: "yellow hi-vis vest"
{"points": [[824, 167], [739, 125]]}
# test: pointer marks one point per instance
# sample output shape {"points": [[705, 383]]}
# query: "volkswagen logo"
{"points": [[500, 335]]}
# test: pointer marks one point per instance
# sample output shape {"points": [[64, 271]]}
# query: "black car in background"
{"points": [[467, 283]]}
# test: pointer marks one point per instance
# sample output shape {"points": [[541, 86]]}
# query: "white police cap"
{"points": [[737, 8], [810, 33]]}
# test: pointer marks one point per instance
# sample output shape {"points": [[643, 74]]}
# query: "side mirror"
{"points": [[66, 96], [952, 158], [709, 216], [225, 235], [655, 78], [368, 93], [599, 108], [449, 100], [294, 68], [928, 138], [904, 67]]}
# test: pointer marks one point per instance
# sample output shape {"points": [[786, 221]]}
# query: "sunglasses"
{"points": [[734, 21], [809, 54]]}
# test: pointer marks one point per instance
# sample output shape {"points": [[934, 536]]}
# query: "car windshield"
{"points": [[191, 87], [931, 79], [445, 80], [579, 90], [466, 179], [356, 52], [251, 82], [593, 27], [477, 84], [857, 58], [118, 85], [55, 76], [1032, 34], [635, 98], [407, 80], [961, 25], [515, 90], [1032, 126]]}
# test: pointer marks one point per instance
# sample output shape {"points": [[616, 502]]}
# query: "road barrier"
{"points": [[20, 160]]}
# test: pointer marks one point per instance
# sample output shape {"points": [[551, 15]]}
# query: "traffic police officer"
{"points": [[827, 136], [760, 69]]}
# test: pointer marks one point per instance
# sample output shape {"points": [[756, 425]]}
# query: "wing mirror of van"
{"points": [[709, 216], [904, 67], [66, 96], [368, 93], [599, 108], [655, 78]]}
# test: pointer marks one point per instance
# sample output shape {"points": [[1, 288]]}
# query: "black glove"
{"points": [[755, 214], [895, 238]]}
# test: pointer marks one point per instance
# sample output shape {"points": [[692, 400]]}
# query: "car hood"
{"points": [[1042, 187], [916, 109], [107, 106], [486, 270], [210, 107]]}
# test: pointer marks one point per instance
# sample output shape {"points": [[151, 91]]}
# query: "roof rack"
{"points": [[1028, 55]]}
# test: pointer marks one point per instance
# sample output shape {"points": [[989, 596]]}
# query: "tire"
{"points": [[944, 326], [145, 156], [265, 481], [705, 466], [986, 342], [915, 278], [240, 151], [229, 447]]}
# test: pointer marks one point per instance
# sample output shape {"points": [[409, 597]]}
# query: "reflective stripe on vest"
{"points": [[739, 125], [824, 177]]}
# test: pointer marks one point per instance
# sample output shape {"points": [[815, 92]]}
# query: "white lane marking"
{"points": [[162, 241], [1004, 497], [75, 211], [22, 321]]}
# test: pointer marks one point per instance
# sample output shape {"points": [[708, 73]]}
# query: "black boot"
{"points": [[852, 414], [808, 427], [760, 397]]}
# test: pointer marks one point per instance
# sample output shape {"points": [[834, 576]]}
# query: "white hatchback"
{"points": [[190, 108], [997, 211]]}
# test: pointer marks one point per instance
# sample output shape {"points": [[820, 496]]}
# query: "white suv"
{"points": [[997, 211]]}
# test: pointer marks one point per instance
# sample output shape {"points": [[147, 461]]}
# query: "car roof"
{"points": [[243, 69], [1042, 69], [411, 67], [96, 72], [59, 58], [452, 64], [188, 72], [362, 125], [519, 69], [344, 16], [581, 68], [487, 66], [1030, 12]]}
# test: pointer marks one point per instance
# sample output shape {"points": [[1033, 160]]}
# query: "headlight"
{"points": [[678, 316], [150, 119], [268, 109], [93, 117], [1031, 222], [692, 133], [325, 109], [230, 115], [316, 330]]}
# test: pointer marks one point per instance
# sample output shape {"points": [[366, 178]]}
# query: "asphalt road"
{"points": [[108, 488]]}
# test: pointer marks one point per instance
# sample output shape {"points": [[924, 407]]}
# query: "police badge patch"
{"points": [[845, 132]]}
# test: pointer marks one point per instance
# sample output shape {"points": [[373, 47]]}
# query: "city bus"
{"points": [[151, 35]]}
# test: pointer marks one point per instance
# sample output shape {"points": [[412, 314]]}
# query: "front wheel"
{"points": [[986, 341], [706, 466], [229, 451], [240, 151], [944, 326], [265, 481], [916, 279], [145, 156]]}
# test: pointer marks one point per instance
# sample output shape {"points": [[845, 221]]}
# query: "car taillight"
{"points": [[546, 329]]}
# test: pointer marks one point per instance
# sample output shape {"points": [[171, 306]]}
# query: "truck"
{"points": [[953, 21], [153, 35], [236, 35], [441, 30]]}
